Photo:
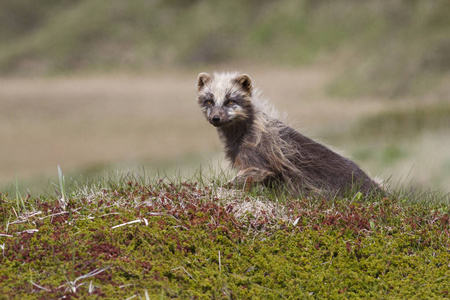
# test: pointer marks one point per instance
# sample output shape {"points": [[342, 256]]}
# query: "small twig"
{"points": [[27, 215], [73, 284], [91, 288], [156, 214], [39, 286], [182, 268], [180, 226], [86, 218], [92, 273], [17, 222], [128, 223], [28, 231], [52, 215]]}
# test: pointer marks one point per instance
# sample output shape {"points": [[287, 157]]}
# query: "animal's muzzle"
{"points": [[215, 119], [218, 117]]}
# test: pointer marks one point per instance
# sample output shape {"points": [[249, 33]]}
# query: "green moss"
{"points": [[194, 248]]}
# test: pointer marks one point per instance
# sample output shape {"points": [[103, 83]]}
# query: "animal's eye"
{"points": [[209, 102], [230, 102]]}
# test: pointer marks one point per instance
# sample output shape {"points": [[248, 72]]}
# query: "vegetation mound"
{"points": [[190, 240]]}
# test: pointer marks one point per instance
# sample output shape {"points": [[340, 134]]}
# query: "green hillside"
{"points": [[384, 47], [157, 239]]}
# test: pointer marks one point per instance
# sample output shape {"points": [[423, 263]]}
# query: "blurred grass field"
{"points": [[124, 122], [94, 86]]}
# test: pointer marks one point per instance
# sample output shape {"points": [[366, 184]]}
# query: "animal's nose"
{"points": [[216, 119]]}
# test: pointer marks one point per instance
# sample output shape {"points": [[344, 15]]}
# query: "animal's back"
{"points": [[325, 169]]}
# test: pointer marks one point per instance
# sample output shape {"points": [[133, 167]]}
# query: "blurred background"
{"points": [[110, 85]]}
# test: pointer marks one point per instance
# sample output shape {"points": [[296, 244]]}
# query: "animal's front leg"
{"points": [[247, 177]]}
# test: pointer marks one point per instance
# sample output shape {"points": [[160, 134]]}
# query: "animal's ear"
{"points": [[202, 79], [244, 82]]}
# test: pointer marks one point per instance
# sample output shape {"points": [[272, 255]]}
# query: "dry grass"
{"points": [[127, 121]]}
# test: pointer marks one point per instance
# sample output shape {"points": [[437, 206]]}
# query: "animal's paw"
{"points": [[245, 184]]}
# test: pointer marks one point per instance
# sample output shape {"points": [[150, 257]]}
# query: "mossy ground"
{"points": [[187, 241]]}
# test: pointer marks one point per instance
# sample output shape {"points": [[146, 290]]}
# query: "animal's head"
{"points": [[225, 98]]}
